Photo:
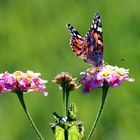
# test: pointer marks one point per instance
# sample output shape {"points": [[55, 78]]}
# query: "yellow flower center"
{"points": [[105, 74], [29, 75], [93, 71], [120, 73]]}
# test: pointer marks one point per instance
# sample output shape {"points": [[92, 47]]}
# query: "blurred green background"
{"points": [[33, 36]]}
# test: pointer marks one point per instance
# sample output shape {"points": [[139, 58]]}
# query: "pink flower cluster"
{"points": [[23, 82], [107, 75]]}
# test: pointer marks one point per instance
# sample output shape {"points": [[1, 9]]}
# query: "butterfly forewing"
{"points": [[95, 42], [76, 40]]}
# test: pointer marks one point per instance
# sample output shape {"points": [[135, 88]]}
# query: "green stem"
{"points": [[65, 106], [104, 94], [64, 103], [21, 99], [65, 100]]}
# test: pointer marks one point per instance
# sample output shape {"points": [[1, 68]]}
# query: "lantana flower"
{"points": [[22, 82], [108, 75], [103, 77], [19, 83]]}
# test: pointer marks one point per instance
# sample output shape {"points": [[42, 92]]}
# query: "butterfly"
{"points": [[89, 48]]}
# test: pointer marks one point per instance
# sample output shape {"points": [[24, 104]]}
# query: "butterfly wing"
{"points": [[89, 48], [76, 41], [94, 42]]}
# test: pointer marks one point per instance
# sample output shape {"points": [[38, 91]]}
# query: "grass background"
{"points": [[33, 36]]}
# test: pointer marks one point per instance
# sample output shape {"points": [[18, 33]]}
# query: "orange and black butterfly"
{"points": [[89, 48]]}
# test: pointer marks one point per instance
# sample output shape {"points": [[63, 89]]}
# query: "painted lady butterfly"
{"points": [[89, 48]]}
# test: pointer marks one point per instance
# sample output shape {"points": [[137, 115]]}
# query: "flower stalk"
{"points": [[65, 105], [104, 95], [65, 99], [21, 99], [66, 83]]}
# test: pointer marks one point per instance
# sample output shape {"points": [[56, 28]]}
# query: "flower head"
{"points": [[64, 79], [107, 75], [22, 82]]}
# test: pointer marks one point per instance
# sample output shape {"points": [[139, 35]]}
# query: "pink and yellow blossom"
{"points": [[23, 82], [108, 75]]}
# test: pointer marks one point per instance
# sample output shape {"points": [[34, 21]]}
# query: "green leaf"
{"points": [[59, 133], [73, 133], [72, 110]]}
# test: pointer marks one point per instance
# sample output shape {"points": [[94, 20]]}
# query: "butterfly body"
{"points": [[89, 48]]}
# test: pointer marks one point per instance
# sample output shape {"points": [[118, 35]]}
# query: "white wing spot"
{"points": [[99, 20], [73, 30], [95, 26], [79, 36], [99, 29]]}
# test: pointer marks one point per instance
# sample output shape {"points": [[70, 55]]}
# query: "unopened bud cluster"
{"points": [[64, 79]]}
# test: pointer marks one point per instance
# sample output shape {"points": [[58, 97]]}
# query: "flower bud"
{"points": [[64, 79]]}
